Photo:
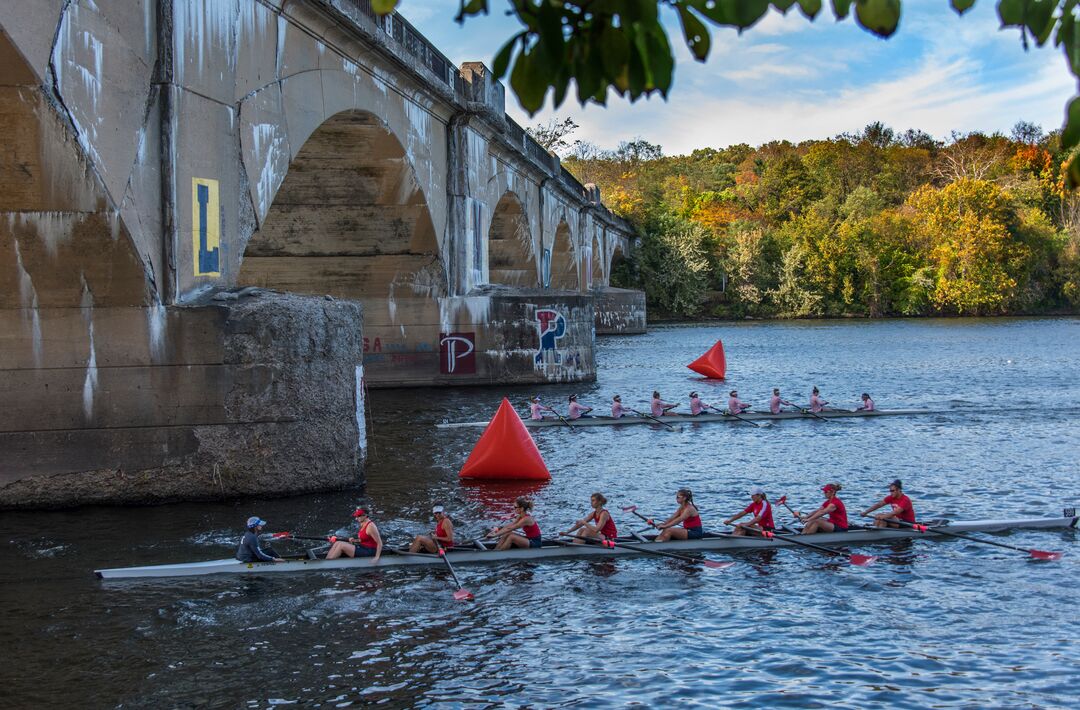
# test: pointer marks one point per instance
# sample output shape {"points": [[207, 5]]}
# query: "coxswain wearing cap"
{"points": [[736, 405], [442, 536], [697, 406], [524, 521], [577, 411], [250, 550], [776, 400], [867, 404], [596, 525], [817, 404], [900, 507], [687, 515], [830, 517], [618, 411], [660, 407], [760, 509], [366, 543], [536, 410]]}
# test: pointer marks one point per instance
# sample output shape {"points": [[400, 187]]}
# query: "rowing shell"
{"points": [[688, 418], [711, 542]]}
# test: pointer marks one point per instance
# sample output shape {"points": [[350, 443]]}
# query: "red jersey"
{"points": [[907, 511], [531, 531], [608, 530], [693, 521], [365, 539], [839, 515], [440, 531], [764, 510]]}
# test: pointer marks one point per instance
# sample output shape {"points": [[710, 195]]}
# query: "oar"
{"points": [[855, 559], [290, 536], [461, 593], [633, 509], [783, 502], [653, 418], [733, 414], [711, 564], [563, 419], [1037, 554], [813, 414]]}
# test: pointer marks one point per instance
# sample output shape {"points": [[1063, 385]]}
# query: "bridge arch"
{"points": [[563, 260], [510, 254]]}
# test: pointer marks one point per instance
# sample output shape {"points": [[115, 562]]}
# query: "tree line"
{"points": [[877, 223]]}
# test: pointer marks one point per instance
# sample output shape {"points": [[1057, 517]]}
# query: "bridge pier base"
{"points": [[619, 311]]}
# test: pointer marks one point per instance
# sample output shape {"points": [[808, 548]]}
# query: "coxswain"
{"points": [[442, 536], [366, 543], [250, 550], [687, 515], [524, 521], [900, 508], [760, 509], [830, 517], [536, 410], [697, 406], [577, 411], [736, 405], [776, 401], [867, 404], [817, 404], [660, 407], [596, 525], [618, 411]]}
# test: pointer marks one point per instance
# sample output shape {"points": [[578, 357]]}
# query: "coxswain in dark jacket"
{"points": [[249, 549]]}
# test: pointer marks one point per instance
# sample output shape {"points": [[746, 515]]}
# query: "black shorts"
{"points": [[362, 551], [535, 541], [695, 533]]}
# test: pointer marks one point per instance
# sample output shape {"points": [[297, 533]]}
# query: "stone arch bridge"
{"points": [[221, 219]]}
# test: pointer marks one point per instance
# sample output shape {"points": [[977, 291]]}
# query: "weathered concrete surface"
{"points": [[256, 396], [619, 311]]}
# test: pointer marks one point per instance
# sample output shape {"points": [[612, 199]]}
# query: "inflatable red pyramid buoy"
{"points": [[506, 451], [712, 364]]}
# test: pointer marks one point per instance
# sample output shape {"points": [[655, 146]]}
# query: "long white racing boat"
{"points": [[713, 542], [697, 419]]}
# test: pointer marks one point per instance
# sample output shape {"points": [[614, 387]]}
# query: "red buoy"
{"points": [[712, 364], [506, 451]]}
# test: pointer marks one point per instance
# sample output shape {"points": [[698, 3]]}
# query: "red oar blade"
{"points": [[629, 508], [463, 595], [1044, 555], [863, 560], [718, 565], [281, 534]]}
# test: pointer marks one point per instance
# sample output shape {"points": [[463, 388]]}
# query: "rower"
{"points": [[900, 508], [775, 401], [249, 549], [536, 410], [442, 536], [687, 514], [697, 406], [577, 411], [736, 405], [524, 520], [867, 404], [760, 509], [817, 404], [659, 406], [833, 508], [617, 409], [596, 525], [367, 543]]}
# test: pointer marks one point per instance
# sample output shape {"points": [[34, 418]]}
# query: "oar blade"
{"points": [[712, 564], [1044, 555], [862, 560], [463, 595]]}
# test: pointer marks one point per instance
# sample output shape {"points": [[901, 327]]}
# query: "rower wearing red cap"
{"points": [[442, 536], [830, 517], [900, 508], [687, 515], [524, 521], [366, 543], [596, 525], [760, 509]]}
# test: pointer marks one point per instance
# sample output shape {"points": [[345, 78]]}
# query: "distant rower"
{"points": [[442, 536], [597, 525], [817, 404], [577, 411], [867, 404], [687, 514], [736, 405], [833, 508], [659, 406], [524, 520], [617, 408], [697, 406], [775, 401], [536, 410], [249, 549], [760, 509], [900, 507]]}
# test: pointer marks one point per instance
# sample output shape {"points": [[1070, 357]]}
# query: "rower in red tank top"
{"points": [[687, 515], [830, 517], [596, 525], [443, 536], [524, 521], [761, 511], [367, 543], [900, 507]]}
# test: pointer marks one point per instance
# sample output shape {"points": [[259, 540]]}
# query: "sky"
{"points": [[787, 78]]}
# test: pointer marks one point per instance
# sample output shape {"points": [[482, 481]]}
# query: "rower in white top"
{"points": [[736, 405], [577, 411], [867, 404], [536, 410]]}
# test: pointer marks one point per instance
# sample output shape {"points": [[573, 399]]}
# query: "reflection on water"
{"points": [[930, 623]]}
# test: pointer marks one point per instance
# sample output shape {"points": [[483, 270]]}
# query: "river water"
{"points": [[931, 624]]}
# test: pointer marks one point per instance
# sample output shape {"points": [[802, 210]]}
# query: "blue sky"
{"points": [[788, 78]]}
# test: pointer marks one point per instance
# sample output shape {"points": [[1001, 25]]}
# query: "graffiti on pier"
{"points": [[457, 353], [551, 326], [206, 227]]}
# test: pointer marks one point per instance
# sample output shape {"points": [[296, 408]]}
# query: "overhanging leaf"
{"points": [[381, 7], [962, 6], [697, 36], [878, 16]]}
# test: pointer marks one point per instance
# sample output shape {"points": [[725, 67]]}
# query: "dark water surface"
{"points": [[932, 624]]}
